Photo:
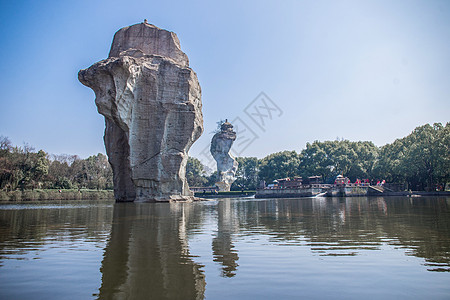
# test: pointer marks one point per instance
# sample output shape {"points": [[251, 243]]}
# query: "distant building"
{"points": [[296, 182], [288, 183], [315, 180]]}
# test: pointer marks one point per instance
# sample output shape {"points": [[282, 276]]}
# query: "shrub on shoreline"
{"points": [[38, 194]]}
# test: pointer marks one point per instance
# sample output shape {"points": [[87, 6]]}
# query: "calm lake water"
{"points": [[313, 248]]}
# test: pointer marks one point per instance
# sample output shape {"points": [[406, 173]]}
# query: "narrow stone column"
{"points": [[220, 149]]}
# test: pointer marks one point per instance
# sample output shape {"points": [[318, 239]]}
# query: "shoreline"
{"points": [[85, 194], [54, 194], [369, 195]]}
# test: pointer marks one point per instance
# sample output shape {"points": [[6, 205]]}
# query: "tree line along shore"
{"points": [[419, 161]]}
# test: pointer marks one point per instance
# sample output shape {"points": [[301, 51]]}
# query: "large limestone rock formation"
{"points": [[220, 149], [151, 101]]}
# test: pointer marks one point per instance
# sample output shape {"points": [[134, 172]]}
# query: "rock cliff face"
{"points": [[220, 149], [151, 101]]}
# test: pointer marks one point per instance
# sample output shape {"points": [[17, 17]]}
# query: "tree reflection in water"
{"points": [[348, 226]]}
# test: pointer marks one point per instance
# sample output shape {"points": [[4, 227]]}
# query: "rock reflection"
{"points": [[147, 255], [222, 245]]}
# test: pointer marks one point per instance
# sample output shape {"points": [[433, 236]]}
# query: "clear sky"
{"points": [[358, 70]]}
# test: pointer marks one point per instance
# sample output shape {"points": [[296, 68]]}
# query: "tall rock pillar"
{"points": [[220, 149], [151, 101]]}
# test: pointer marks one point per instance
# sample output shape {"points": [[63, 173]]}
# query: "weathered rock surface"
{"points": [[151, 101], [220, 149]]}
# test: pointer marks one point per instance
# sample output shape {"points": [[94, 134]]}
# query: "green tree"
{"points": [[195, 173], [97, 172], [40, 167], [442, 145], [93, 172], [7, 174], [279, 165], [331, 158], [212, 179], [59, 174], [25, 160], [316, 161], [246, 174], [420, 159], [427, 155], [22, 167]]}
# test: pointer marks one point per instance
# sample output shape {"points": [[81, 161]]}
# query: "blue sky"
{"points": [[358, 70]]}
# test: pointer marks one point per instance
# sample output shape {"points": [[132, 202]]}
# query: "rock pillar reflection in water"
{"points": [[147, 256], [222, 245]]}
